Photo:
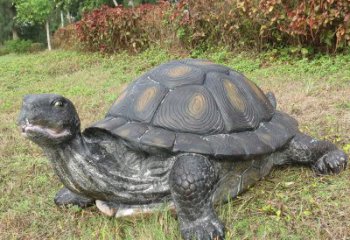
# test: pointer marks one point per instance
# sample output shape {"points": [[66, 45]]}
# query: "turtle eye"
{"points": [[58, 103]]}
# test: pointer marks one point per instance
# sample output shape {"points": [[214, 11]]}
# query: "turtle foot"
{"points": [[209, 228], [65, 197], [331, 163]]}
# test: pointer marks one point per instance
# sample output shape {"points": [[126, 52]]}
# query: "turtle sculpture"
{"points": [[188, 134]]}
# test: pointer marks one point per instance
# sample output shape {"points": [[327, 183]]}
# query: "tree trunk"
{"points": [[12, 14], [48, 35], [62, 19], [14, 34], [131, 3], [115, 3], [69, 17]]}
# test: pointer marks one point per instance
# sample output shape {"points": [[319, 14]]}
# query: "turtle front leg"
{"points": [[323, 156], [192, 181], [66, 197]]}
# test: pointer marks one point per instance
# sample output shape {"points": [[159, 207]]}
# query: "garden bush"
{"points": [[3, 51], [304, 26], [203, 24], [18, 46], [114, 29], [323, 24], [36, 47], [65, 38]]}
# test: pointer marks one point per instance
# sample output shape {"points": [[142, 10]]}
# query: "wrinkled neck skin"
{"points": [[73, 162], [104, 168]]}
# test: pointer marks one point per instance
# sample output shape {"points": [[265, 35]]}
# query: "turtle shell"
{"points": [[197, 106]]}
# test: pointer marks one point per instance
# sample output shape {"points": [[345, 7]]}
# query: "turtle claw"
{"points": [[205, 229], [331, 163], [65, 197]]}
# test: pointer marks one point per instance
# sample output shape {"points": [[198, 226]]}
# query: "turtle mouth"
{"points": [[30, 130]]}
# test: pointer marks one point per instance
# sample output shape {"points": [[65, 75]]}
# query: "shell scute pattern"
{"points": [[189, 109], [130, 131], [238, 113], [224, 145], [175, 74], [263, 106], [201, 107], [110, 123], [158, 137], [139, 101], [186, 142], [206, 66]]}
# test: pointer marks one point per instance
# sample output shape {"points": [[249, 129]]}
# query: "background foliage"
{"points": [[24, 18], [32, 11], [304, 26], [114, 29], [6, 19]]}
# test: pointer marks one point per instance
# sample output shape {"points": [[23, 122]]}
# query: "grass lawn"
{"points": [[290, 204]]}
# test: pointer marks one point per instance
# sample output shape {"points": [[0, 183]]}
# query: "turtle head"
{"points": [[48, 119]]}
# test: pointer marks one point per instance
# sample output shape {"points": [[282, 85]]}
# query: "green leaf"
{"points": [[304, 51], [33, 11]]}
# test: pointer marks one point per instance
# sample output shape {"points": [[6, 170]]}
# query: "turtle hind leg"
{"points": [[323, 156], [192, 181], [66, 197]]}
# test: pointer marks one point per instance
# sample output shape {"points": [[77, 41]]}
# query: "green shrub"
{"points": [[18, 46], [36, 47], [3, 51]]}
